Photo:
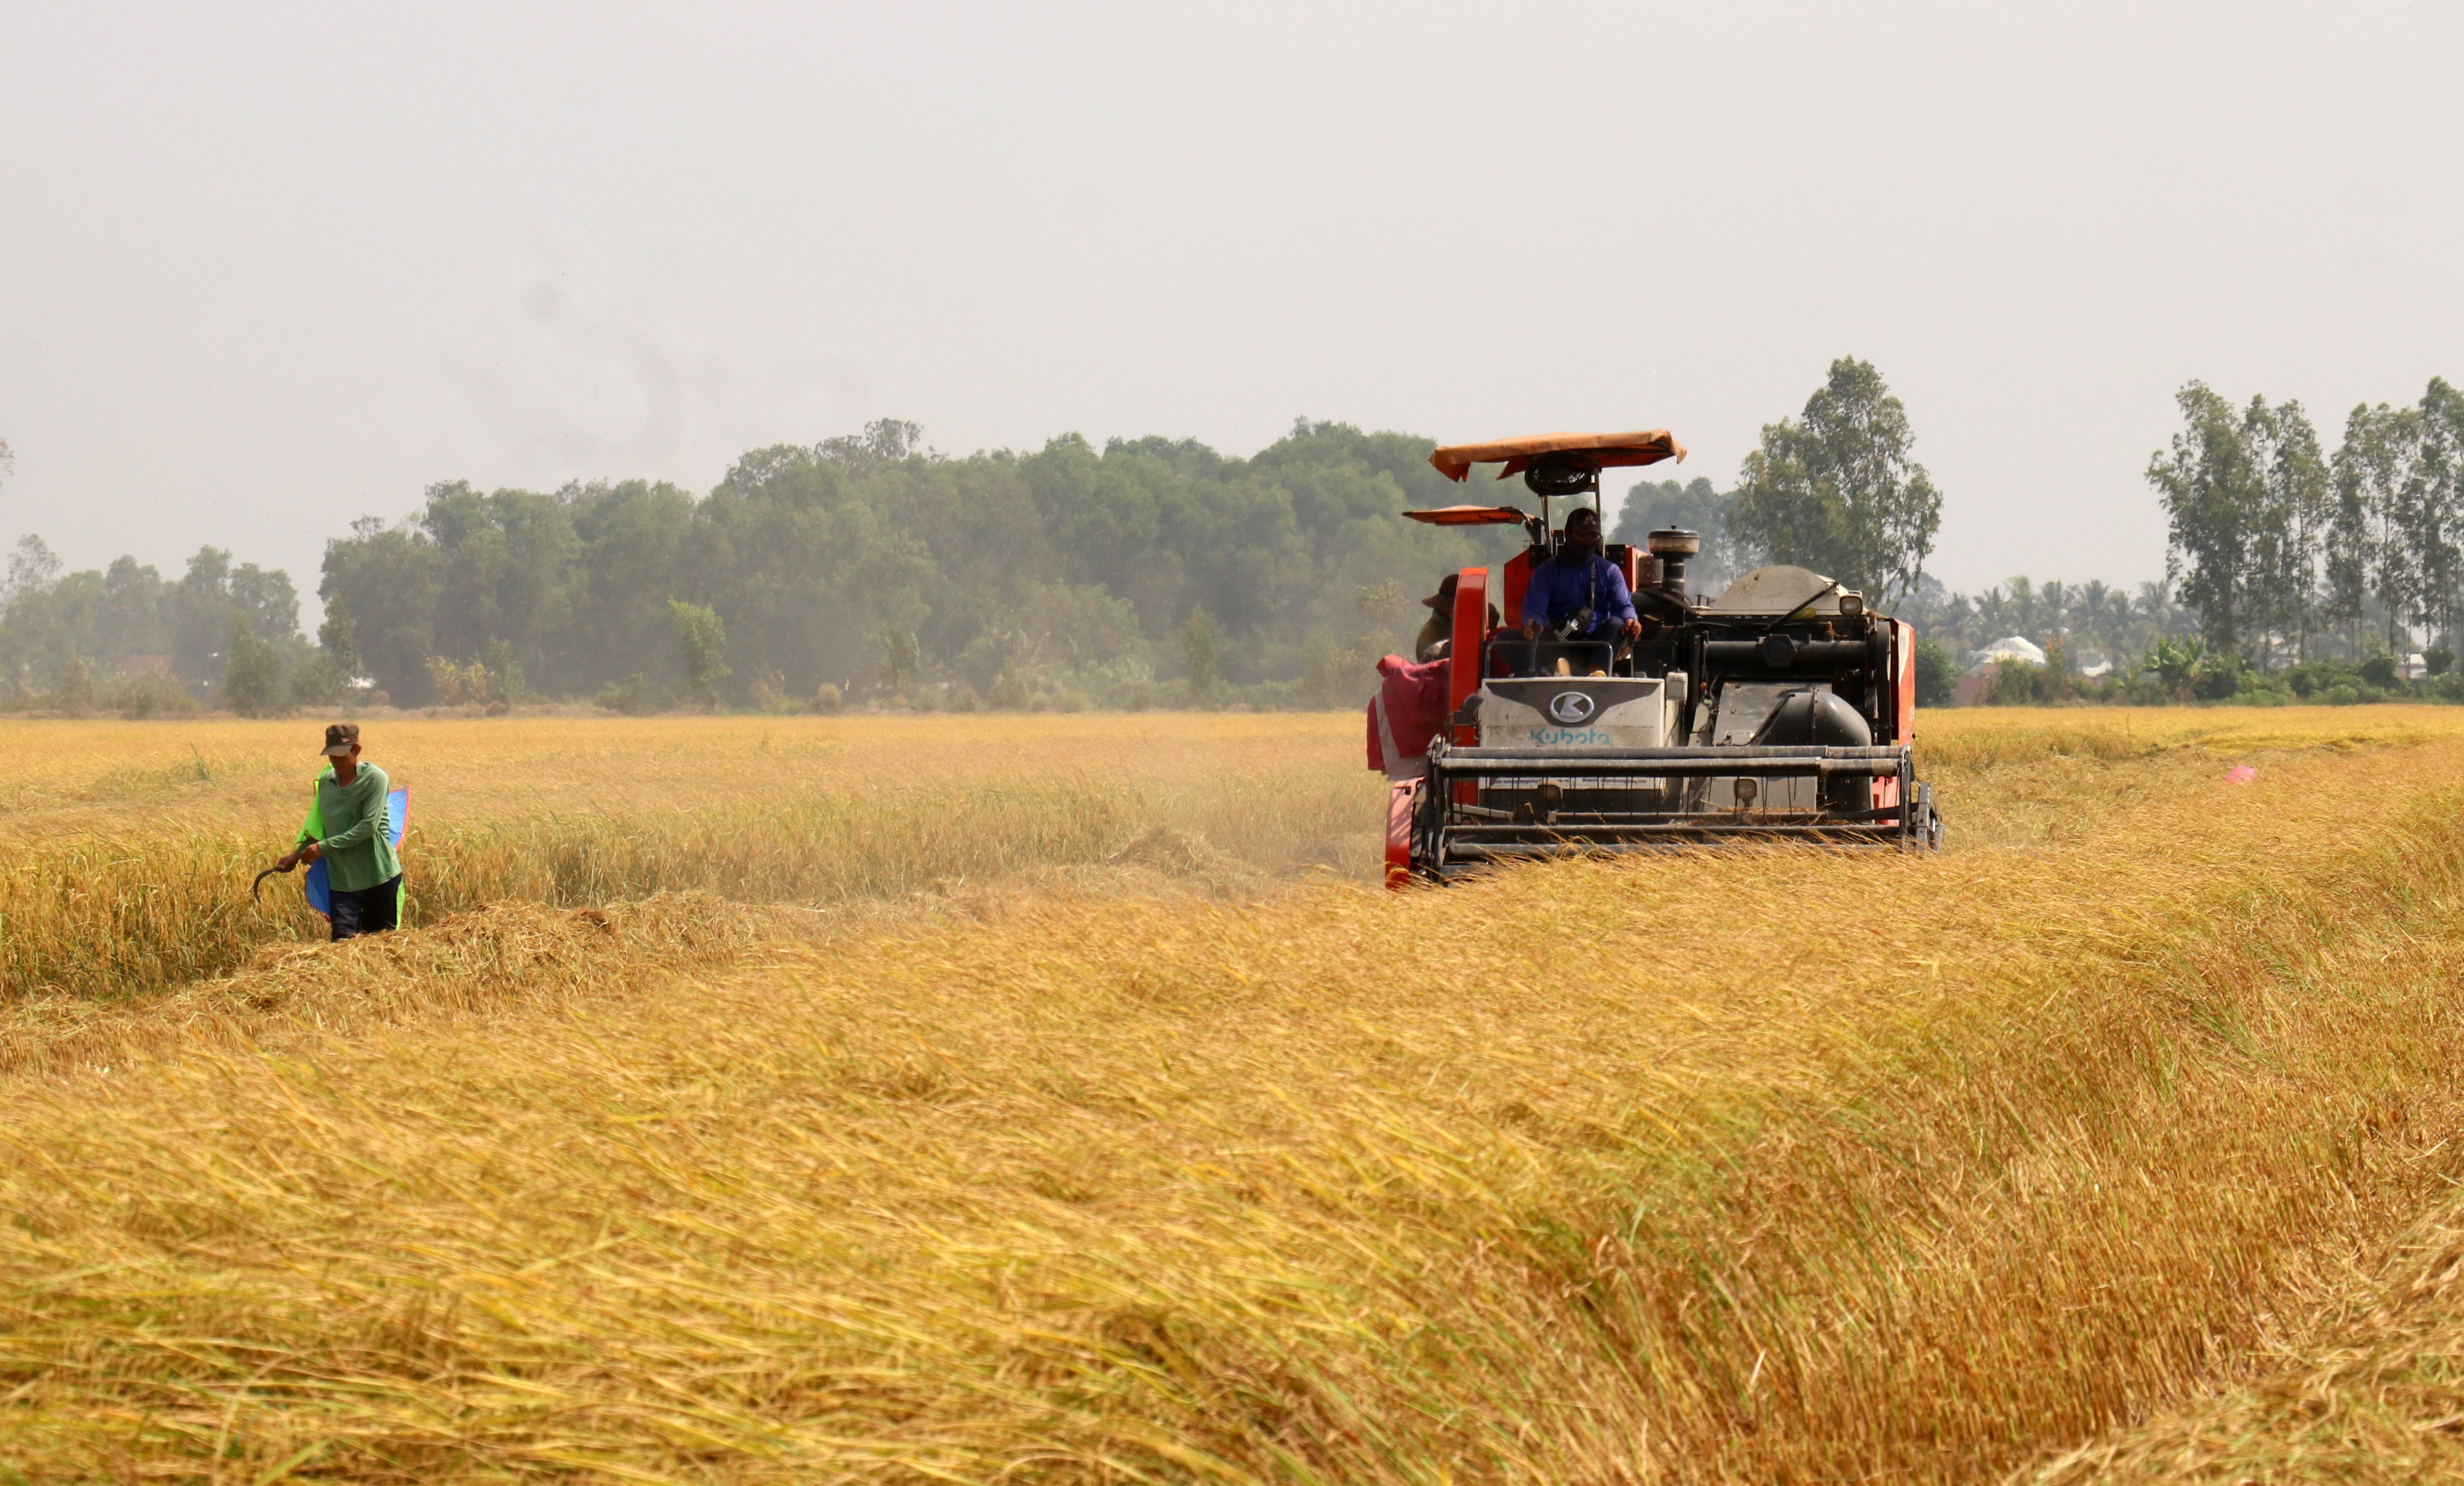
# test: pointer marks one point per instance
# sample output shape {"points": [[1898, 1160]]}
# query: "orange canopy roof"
{"points": [[1648, 446], [1469, 515]]}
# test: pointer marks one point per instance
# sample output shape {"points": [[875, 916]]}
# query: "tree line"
{"points": [[1153, 571], [2290, 554], [1146, 572], [126, 637]]}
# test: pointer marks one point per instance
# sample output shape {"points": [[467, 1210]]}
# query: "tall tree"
{"points": [[338, 638], [2349, 562], [387, 577], [32, 566], [1198, 646], [701, 644], [2438, 462], [1838, 490], [251, 682], [2210, 488], [2378, 494], [2294, 513]]}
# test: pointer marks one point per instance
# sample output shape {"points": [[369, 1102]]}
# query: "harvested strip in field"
{"points": [[481, 959], [1745, 1167]]}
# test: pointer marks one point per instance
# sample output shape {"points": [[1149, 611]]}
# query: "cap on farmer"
{"points": [[348, 828]]}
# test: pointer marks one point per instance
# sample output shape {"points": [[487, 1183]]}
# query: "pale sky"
{"points": [[266, 269]]}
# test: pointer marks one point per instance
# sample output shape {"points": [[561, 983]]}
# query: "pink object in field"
{"points": [[2240, 774]]}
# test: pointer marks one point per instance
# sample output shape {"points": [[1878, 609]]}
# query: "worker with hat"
{"points": [[349, 829], [1437, 635]]}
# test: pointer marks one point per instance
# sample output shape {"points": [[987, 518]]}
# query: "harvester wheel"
{"points": [[1428, 833]]}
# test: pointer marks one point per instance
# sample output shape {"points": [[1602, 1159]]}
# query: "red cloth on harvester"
{"points": [[1408, 710]]}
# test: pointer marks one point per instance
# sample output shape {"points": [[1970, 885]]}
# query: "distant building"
{"points": [[1971, 687], [2007, 649]]}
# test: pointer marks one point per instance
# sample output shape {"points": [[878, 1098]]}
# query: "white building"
{"points": [[2007, 649]]}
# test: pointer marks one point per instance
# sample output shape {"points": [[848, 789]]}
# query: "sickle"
{"points": [[260, 879]]}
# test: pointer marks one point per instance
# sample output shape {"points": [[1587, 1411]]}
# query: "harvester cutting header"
{"points": [[1613, 710]]}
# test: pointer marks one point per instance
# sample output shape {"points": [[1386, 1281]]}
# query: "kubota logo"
{"points": [[1570, 707]]}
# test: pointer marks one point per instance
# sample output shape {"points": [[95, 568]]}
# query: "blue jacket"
{"points": [[1558, 591]]}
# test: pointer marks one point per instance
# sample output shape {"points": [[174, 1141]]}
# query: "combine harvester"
{"points": [[1780, 710]]}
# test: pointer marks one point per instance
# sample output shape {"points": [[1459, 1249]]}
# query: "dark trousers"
{"points": [[367, 910]]}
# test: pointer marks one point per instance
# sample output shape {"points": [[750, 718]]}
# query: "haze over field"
{"points": [[270, 270]]}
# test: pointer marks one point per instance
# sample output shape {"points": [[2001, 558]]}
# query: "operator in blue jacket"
{"points": [[1578, 584]]}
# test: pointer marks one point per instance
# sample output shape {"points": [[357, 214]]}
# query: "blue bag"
{"points": [[320, 885]]}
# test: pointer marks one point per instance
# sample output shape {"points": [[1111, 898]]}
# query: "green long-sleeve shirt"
{"points": [[350, 819]]}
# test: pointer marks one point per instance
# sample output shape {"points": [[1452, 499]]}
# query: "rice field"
{"points": [[1054, 1098]]}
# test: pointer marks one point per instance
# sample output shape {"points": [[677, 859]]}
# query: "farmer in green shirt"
{"points": [[347, 827]]}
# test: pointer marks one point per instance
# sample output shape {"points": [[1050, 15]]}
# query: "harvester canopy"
{"points": [[1601, 450], [1469, 515]]}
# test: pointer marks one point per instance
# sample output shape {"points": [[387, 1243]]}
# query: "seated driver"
{"points": [[1577, 581]]}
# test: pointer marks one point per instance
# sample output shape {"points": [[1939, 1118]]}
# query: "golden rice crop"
{"points": [[2369, 1394], [122, 779], [1749, 1166], [129, 892], [131, 844], [119, 778]]}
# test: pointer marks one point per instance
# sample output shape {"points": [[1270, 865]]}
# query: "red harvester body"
{"points": [[1780, 710]]}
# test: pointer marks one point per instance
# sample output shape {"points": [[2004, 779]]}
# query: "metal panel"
{"points": [[1742, 707], [1546, 713]]}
